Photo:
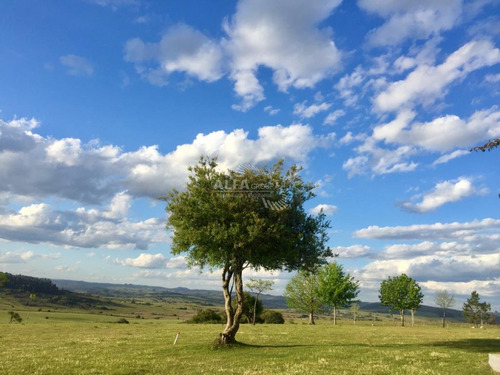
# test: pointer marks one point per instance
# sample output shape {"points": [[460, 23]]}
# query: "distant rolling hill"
{"points": [[135, 291], [89, 295], [213, 297]]}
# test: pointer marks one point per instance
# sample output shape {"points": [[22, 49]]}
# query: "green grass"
{"points": [[92, 344]]}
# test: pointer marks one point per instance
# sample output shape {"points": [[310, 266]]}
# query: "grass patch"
{"points": [[93, 346]]}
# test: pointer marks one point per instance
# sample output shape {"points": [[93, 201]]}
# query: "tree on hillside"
{"points": [[444, 300], [487, 146], [301, 293], [3, 278], [474, 311], [401, 293], [336, 288], [258, 286], [355, 311], [223, 220]]}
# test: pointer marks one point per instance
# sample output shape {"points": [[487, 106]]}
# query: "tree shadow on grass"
{"points": [[287, 346], [471, 345], [242, 345]]}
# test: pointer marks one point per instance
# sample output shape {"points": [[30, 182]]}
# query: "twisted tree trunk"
{"points": [[228, 336]]}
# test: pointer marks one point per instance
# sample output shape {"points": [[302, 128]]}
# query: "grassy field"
{"points": [[72, 343]]}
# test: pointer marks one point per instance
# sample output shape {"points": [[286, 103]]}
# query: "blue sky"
{"points": [[105, 103]]}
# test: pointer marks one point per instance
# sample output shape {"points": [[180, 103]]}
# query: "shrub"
{"points": [[272, 317], [206, 316], [248, 304], [122, 321]]}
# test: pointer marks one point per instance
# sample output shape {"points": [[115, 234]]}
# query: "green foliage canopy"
{"points": [[335, 287], [249, 303], [401, 293], [218, 228], [475, 311], [301, 294], [272, 317]]}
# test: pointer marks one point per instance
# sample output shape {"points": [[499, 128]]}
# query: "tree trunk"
{"points": [[444, 318], [334, 316], [311, 317], [255, 309], [233, 321], [402, 314], [226, 337], [232, 316]]}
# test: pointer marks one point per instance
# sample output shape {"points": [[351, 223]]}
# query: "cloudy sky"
{"points": [[105, 103]]}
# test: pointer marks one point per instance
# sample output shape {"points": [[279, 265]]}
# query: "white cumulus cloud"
{"points": [[427, 83], [430, 232], [409, 19], [307, 111], [181, 49], [284, 36], [77, 65], [327, 209], [145, 260], [444, 192]]}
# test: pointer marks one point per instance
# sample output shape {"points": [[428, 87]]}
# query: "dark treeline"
{"points": [[30, 284]]}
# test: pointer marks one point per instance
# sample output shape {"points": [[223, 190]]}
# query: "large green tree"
{"points": [[444, 300], [336, 288], [254, 218], [401, 293], [258, 286], [301, 293], [474, 311]]}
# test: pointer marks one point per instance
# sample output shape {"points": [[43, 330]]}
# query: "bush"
{"points": [[248, 304], [122, 321], [206, 316], [272, 317]]}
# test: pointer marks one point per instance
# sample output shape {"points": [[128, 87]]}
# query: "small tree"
{"points": [[221, 223], [336, 288], [258, 286], [475, 311], [444, 300], [355, 311], [401, 293], [301, 294], [3, 278]]}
